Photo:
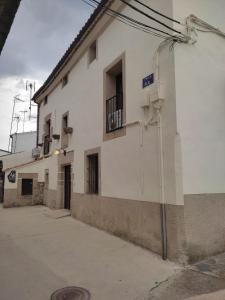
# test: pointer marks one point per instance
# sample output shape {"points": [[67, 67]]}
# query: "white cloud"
{"points": [[41, 33]]}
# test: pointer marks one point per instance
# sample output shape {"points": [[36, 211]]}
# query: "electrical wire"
{"points": [[131, 19], [129, 23], [134, 22], [200, 23], [150, 17], [157, 12]]}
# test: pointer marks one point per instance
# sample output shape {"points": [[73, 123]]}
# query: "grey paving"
{"points": [[40, 253]]}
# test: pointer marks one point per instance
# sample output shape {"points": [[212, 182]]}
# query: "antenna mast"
{"points": [[16, 99], [24, 117], [30, 85]]}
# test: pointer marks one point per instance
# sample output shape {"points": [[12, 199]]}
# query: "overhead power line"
{"points": [[126, 21], [157, 12], [133, 22], [150, 17]]}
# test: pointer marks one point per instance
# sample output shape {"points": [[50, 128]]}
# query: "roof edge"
{"points": [[91, 22]]}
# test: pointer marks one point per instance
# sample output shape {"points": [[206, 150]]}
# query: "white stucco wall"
{"points": [[128, 170], [38, 167], [23, 141], [3, 152], [13, 160], [34, 167], [200, 97]]}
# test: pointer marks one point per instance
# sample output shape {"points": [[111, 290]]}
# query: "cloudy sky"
{"points": [[40, 34]]}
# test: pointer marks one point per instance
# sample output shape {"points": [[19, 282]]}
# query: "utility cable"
{"points": [[150, 17], [157, 12], [209, 28], [128, 22], [134, 21]]}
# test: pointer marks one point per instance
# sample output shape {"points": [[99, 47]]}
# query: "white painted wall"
{"points": [[23, 141], [200, 97], [3, 152], [16, 159], [127, 169], [35, 167]]}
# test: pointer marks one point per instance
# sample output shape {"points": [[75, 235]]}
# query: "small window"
{"points": [[45, 100], [48, 127], [65, 137], [27, 187], [92, 52], [65, 121], [65, 80], [47, 137], [46, 177], [93, 174]]}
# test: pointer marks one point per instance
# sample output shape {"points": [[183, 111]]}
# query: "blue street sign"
{"points": [[148, 80]]}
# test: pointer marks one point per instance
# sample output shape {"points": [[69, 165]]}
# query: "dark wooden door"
{"points": [[67, 186]]}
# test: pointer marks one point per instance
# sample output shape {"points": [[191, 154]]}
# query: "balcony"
{"points": [[114, 113]]}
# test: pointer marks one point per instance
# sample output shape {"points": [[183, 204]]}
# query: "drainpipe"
{"points": [[161, 161], [162, 190], [38, 117]]}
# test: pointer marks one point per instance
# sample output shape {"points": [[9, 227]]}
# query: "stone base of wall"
{"points": [[194, 231], [11, 199], [51, 198], [136, 221], [205, 225]]}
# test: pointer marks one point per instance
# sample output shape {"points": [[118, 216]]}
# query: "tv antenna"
{"points": [[24, 117], [30, 86], [16, 99], [17, 118]]}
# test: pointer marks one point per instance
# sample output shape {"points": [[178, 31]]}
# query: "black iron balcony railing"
{"points": [[114, 113], [46, 145]]}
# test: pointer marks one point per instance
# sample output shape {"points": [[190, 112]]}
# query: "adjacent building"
{"points": [[4, 152], [131, 129], [23, 141]]}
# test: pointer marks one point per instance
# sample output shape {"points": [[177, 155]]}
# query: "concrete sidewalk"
{"points": [[39, 254]]}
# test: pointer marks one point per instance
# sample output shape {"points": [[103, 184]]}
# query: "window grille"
{"points": [[93, 174]]}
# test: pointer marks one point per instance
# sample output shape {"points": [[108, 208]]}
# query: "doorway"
{"points": [[67, 186]]}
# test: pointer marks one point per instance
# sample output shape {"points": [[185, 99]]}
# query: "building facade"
{"points": [[23, 141], [4, 152], [124, 133]]}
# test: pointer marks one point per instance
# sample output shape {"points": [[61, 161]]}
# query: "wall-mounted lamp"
{"points": [[56, 152]]}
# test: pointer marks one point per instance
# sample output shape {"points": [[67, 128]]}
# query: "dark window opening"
{"points": [[46, 178], [93, 174], [65, 80], [65, 121], [27, 187], [45, 100], [92, 52], [47, 137], [114, 101], [48, 128], [119, 91], [65, 124]]}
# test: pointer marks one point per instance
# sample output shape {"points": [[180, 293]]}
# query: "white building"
{"points": [[23, 141], [132, 130], [4, 152]]}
